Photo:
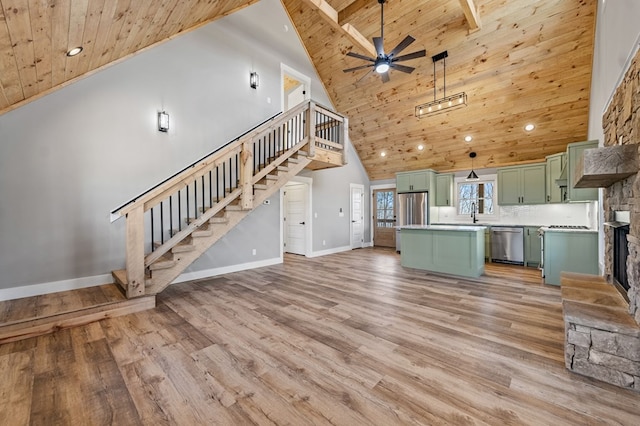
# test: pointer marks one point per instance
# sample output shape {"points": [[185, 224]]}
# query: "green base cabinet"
{"points": [[570, 252], [449, 250], [532, 249]]}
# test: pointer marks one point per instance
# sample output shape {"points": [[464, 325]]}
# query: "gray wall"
{"points": [[68, 159]]}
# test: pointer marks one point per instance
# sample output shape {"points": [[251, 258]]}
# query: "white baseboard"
{"points": [[208, 273], [329, 251], [76, 283], [53, 287], [369, 244]]}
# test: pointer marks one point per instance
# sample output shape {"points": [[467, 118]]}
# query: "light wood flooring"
{"points": [[346, 339]]}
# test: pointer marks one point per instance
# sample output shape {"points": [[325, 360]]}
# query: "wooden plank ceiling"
{"points": [[36, 34], [518, 62]]}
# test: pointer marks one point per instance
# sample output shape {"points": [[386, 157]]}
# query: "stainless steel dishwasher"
{"points": [[507, 245]]}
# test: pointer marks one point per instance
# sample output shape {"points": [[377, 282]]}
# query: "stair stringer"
{"points": [[160, 279]]}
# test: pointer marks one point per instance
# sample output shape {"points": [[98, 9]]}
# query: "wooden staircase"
{"points": [[174, 223]]}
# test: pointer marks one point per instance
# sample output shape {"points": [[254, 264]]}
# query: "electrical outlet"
{"points": [[253, 252], [315, 215], [324, 243]]}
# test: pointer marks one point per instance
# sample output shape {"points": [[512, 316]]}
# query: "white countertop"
{"points": [[445, 227], [547, 229]]}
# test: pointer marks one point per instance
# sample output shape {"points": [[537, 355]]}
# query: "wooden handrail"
{"points": [[239, 182]]}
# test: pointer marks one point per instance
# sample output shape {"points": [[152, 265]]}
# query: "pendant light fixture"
{"points": [[472, 176], [446, 102]]}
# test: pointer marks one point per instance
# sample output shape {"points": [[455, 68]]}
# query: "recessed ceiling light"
{"points": [[420, 147], [383, 154], [529, 127], [468, 138], [75, 51]]}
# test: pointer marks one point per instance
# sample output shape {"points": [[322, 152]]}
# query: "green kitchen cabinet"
{"points": [[519, 185], [574, 152], [532, 246], [555, 164], [574, 251], [413, 181], [444, 190]]}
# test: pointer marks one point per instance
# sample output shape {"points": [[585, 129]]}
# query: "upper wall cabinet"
{"points": [[574, 152], [444, 190], [522, 185], [555, 164], [413, 181]]}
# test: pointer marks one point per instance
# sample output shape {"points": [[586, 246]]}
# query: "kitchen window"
{"points": [[480, 192]]}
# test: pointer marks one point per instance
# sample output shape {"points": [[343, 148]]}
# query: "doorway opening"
{"points": [[384, 217], [295, 87]]}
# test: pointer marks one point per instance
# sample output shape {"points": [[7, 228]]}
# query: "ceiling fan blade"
{"points": [[402, 68], [418, 54], [361, 67], [377, 42], [403, 45], [359, 56], [385, 77]]}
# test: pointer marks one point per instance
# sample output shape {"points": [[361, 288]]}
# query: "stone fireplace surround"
{"points": [[602, 330]]}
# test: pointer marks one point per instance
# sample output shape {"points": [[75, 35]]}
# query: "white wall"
{"points": [[68, 159], [617, 38]]}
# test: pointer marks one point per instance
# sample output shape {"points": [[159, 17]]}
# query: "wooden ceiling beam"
{"points": [[330, 15], [471, 13], [347, 13]]}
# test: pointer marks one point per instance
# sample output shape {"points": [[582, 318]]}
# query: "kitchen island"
{"points": [[457, 250]]}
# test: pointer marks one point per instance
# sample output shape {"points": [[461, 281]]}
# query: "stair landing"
{"points": [[38, 315]]}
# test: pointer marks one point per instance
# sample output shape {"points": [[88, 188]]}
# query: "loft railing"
{"points": [[165, 215]]}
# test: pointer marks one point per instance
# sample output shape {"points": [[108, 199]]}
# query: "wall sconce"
{"points": [[254, 80], [163, 121]]}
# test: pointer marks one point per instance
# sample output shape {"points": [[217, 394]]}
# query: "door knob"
{"points": [[301, 223]]}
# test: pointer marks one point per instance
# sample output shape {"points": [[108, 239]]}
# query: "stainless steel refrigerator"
{"points": [[412, 209]]}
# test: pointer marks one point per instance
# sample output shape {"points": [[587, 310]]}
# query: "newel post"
{"points": [[311, 129], [246, 176], [345, 139], [135, 252]]}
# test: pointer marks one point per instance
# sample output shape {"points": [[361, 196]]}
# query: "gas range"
{"points": [[567, 227]]}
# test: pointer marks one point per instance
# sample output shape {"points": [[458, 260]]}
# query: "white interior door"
{"points": [[357, 216], [295, 218]]}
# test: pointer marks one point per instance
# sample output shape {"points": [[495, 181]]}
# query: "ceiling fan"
{"points": [[383, 62]]}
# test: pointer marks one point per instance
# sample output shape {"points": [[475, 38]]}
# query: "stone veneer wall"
{"points": [[602, 334], [622, 119]]}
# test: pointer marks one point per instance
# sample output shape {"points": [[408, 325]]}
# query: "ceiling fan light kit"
{"points": [[445, 103], [383, 63]]}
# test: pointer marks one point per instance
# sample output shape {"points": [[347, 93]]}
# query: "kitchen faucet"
{"points": [[473, 212]]}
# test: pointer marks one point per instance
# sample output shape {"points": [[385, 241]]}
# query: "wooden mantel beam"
{"points": [[471, 13], [329, 14]]}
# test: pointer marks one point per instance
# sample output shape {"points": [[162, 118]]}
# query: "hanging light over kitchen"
{"points": [[472, 176], [446, 102]]}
